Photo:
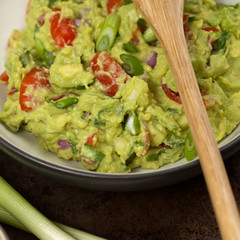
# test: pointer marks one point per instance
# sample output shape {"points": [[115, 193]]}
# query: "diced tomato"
{"points": [[41, 19], [208, 29], [113, 5], [106, 70], [185, 25], [171, 94], [165, 146], [134, 34], [63, 31], [37, 78], [4, 77], [92, 140], [12, 91], [208, 101]]}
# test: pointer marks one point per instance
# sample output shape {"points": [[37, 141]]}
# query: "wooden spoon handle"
{"points": [[165, 18]]}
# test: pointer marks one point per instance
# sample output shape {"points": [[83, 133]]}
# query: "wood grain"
{"points": [[165, 18]]}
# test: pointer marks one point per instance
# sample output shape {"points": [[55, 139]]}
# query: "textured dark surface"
{"points": [[181, 211]]}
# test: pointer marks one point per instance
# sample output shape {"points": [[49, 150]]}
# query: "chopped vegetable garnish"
{"points": [[130, 47], [220, 43], [149, 36], [108, 33], [46, 56], [131, 65], [128, 1], [189, 147], [133, 124], [4, 77], [66, 102]]}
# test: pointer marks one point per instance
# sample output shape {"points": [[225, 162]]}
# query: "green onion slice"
{"points": [[9, 215], [131, 65], [189, 147], [221, 42], [108, 33], [149, 35], [130, 47], [133, 124], [66, 102]]}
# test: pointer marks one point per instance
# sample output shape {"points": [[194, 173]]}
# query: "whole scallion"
{"points": [[108, 33], [36, 222], [9, 219]]}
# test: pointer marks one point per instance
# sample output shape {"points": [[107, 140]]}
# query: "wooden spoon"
{"points": [[166, 19]]}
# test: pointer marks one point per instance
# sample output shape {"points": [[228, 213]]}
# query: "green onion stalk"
{"points": [[18, 212]]}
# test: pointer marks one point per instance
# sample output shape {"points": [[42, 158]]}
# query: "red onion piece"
{"points": [[64, 144], [151, 59]]}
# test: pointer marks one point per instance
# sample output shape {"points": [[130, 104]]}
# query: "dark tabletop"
{"points": [[181, 211]]}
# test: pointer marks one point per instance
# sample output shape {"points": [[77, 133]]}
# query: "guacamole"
{"points": [[90, 80]]}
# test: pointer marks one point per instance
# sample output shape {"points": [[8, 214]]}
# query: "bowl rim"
{"points": [[226, 151]]}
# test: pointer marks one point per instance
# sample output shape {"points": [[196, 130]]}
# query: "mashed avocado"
{"points": [[91, 82]]}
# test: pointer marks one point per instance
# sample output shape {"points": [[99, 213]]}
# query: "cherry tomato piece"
{"points": [[4, 77], [106, 70], [113, 5], [92, 140], [63, 31], [171, 94], [35, 79]]}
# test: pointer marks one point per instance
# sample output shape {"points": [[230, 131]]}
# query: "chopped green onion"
{"points": [[131, 65], [154, 157], [133, 124], [9, 219], [66, 102], [141, 22], [149, 35], [128, 1], [82, 87], [92, 153], [189, 147], [130, 47], [36, 222], [25, 58], [191, 18], [220, 43], [46, 56], [108, 33]]}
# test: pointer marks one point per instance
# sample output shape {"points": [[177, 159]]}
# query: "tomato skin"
{"points": [[106, 70], [63, 31], [35, 79], [92, 140], [4, 77], [171, 94], [208, 29], [113, 5]]}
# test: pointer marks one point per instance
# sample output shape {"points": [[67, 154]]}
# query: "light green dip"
{"points": [[161, 119]]}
